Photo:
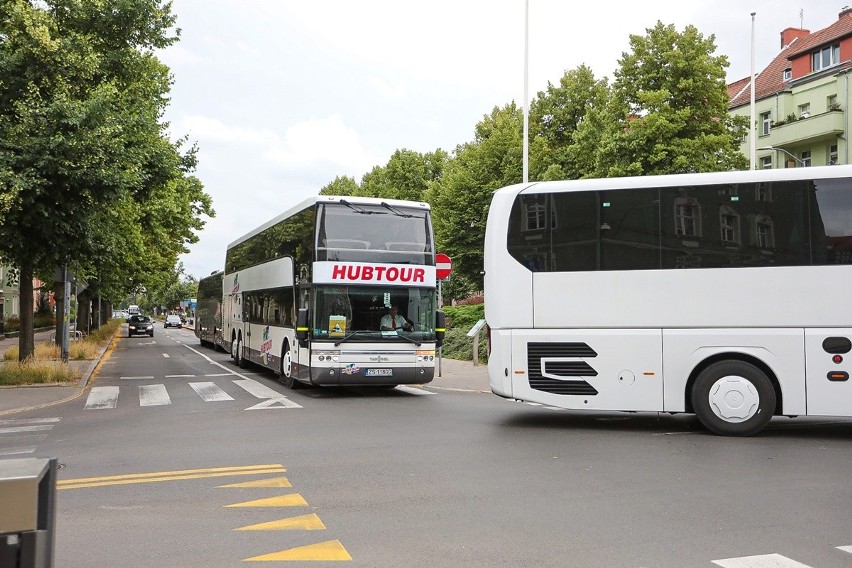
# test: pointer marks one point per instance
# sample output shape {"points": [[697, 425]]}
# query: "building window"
{"points": [[805, 110], [687, 217], [535, 215], [765, 122], [762, 192], [763, 232], [832, 155], [806, 158], [831, 103], [729, 223], [788, 74], [766, 162], [825, 57]]}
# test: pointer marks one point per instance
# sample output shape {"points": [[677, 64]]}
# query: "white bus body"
{"points": [[723, 294], [343, 262]]}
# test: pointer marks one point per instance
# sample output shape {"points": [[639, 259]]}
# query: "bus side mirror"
{"points": [[440, 327], [302, 328]]}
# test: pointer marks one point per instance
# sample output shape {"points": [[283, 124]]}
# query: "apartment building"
{"points": [[802, 99]]}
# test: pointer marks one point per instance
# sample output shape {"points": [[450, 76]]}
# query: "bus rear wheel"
{"points": [[287, 375], [238, 355], [733, 398]]}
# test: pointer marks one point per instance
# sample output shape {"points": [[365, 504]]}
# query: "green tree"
{"points": [[555, 116], [88, 175], [461, 198], [341, 185], [407, 175], [669, 109]]}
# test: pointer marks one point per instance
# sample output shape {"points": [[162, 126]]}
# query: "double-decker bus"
{"points": [[305, 293], [724, 294], [208, 311]]}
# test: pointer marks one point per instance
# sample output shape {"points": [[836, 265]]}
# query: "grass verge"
{"points": [[46, 367]]}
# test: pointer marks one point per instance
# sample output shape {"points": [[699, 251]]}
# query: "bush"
{"points": [[37, 372], [460, 319]]}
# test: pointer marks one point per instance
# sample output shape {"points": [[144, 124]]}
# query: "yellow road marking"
{"points": [[328, 551], [301, 523], [274, 482], [129, 479], [289, 500]]}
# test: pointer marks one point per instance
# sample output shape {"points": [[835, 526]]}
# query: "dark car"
{"points": [[172, 321], [140, 325]]}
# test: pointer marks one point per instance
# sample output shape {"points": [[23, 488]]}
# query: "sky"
{"points": [[283, 96]]}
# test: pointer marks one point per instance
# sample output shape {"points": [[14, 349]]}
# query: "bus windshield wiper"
{"points": [[355, 208], [350, 335], [395, 211], [409, 339]]}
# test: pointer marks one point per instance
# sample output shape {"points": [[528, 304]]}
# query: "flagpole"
{"points": [[752, 131], [526, 88]]}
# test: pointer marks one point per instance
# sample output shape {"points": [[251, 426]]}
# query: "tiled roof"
{"points": [[768, 82], [839, 29]]}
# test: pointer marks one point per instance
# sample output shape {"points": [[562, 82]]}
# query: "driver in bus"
{"points": [[394, 321]]}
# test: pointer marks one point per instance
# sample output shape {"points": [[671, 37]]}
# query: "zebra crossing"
{"points": [[157, 394], [18, 436], [768, 561]]}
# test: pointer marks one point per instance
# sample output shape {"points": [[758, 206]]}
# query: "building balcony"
{"points": [[815, 128]]}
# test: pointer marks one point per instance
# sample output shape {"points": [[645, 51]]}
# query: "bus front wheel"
{"points": [[287, 375], [733, 398]]}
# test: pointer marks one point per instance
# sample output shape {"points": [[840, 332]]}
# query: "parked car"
{"points": [[172, 321], [138, 324]]}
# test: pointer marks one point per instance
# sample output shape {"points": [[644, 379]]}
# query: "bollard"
{"points": [[28, 519]]}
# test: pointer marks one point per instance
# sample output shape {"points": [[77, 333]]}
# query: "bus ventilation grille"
{"points": [[560, 360]]}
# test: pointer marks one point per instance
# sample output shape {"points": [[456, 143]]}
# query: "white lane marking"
{"points": [[179, 376], [760, 561], [845, 549], [102, 397], [153, 395], [28, 428], [166, 355], [13, 451], [413, 390], [210, 392], [220, 375], [274, 403], [143, 378], [257, 389], [28, 421]]}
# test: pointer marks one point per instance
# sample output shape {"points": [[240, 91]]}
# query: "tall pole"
{"points": [[752, 129], [526, 89]]}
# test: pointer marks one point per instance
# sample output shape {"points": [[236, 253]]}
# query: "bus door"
{"points": [[302, 355], [828, 356]]}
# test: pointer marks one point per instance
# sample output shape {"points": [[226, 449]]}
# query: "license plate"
{"points": [[379, 372]]}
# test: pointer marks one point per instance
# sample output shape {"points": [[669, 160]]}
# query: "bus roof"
{"points": [[329, 199], [693, 179]]}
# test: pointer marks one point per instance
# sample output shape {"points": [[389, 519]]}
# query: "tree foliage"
{"points": [[668, 109], [88, 175]]}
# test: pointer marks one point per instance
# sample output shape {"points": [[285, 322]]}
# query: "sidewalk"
{"points": [[455, 375], [18, 399]]}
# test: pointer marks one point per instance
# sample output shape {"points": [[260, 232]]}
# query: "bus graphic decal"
{"points": [[266, 346], [558, 368]]}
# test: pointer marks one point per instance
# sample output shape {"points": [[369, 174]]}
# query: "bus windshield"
{"points": [[355, 313], [374, 233]]}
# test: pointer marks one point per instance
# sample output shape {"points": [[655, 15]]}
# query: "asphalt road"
{"points": [[199, 463]]}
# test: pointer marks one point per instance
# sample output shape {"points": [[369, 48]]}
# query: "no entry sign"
{"points": [[443, 266]]}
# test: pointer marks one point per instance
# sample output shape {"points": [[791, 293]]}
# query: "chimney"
{"points": [[844, 12], [788, 35]]}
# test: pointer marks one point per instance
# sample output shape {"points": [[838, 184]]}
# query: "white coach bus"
{"points": [[727, 295], [304, 294]]}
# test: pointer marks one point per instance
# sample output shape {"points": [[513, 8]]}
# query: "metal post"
{"points": [[441, 348], [66, 314]]}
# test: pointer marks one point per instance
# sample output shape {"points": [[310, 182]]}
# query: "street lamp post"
{"points": [[775, 148]]}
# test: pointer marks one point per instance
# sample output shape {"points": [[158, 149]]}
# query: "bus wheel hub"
{"points": [[734, 399]]}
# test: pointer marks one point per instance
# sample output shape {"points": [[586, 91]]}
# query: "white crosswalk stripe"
{"points": [[760, 561], [102, 397], [153, 395], [210, 392], [18, 435]]}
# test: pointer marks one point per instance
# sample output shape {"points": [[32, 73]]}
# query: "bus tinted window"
{"points": [[785, 223], [291, 237]]}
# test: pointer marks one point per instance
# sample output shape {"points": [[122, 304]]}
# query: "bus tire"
{"points": [[733, 398], [287, 376], [238, 355]]}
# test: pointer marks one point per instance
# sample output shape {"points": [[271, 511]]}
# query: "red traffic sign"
{"points": [[443, 266]]}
